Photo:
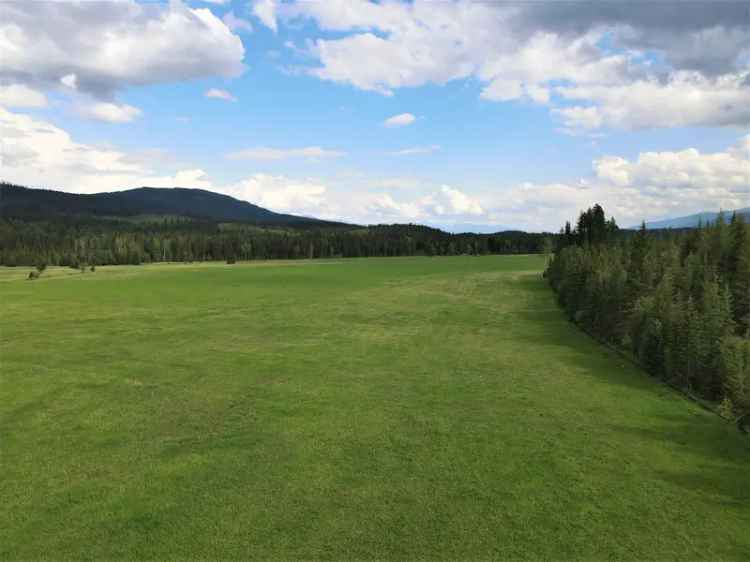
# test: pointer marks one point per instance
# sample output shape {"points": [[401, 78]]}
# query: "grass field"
{"points": [[381, 408]]}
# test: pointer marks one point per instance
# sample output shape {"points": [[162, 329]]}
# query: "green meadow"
{"points": [[403, 408]]}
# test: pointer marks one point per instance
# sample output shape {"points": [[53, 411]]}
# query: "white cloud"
{"points": [[684, 99], [383, 208], [450, 201], [110, 112], [317, 198], [266, 153], [649, 186], [742, 148], [236, 24], [416, 150], [536, 93], [18, 95], [265, 11], [37, 153], [653, 185], [109, 46], [193, 178], [426, 42], [404, 45], [400, 120], [627, 68], [723, 173], [503, 90], [219, 95], [282, 194], [444, 204], [537, 207], [70, 81], [389, 64], [580, 117], [344, 15]]}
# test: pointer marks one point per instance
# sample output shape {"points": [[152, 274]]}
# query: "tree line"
{"points": [[70, 241], [679, 301]]}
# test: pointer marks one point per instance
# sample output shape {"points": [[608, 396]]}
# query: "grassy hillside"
{"points": [[380, 408]]}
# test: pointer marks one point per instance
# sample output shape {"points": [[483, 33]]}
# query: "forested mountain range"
{"points": [[40, 227], [22, 202]]}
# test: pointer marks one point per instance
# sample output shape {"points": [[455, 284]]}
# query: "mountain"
{"points": [[691, 221], [24, 202]]}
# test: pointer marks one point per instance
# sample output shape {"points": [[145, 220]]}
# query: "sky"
{"points": [[463, 115]]}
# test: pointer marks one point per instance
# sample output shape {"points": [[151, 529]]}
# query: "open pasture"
{"points": [[398, 408]]}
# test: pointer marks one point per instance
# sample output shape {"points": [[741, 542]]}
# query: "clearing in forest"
{"points": [[373, 408]]}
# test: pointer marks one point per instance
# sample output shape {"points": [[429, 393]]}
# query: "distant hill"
{"points": [[24, 202], [148, 225], [692, 221]]}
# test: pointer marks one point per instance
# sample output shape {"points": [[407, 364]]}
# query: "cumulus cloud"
{"points": [[537, 207], [579, 117], [417, 43], [104, 47], [683, 99], [400, 120], [317, 198], [110, 112], [220, 95], [18, 95], [649, 186], [664, 173], [664, 65], [282, 194], [451, 201], [710, 37], [195, 178], [444, 204], [265, 11], [37, 153], [653, 185], [236, 23], [266, 153]]}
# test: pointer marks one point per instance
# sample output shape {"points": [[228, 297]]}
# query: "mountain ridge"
{"points": [[692, 221], [24, 202]]}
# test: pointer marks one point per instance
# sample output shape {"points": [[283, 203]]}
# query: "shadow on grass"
{"points": [[721, 457], [716, 455]]}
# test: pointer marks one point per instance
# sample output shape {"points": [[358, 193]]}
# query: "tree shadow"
{"points": [[714, 455]]}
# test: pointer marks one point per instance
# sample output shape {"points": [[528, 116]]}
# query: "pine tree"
{"points": [[716, 315], [739, 274], [735, 367], [720, 245], [637, 279]]}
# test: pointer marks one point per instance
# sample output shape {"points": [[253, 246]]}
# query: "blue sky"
{"points": [[516, 117]]}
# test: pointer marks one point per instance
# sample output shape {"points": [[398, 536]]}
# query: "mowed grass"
{"points": [[376, 408]]}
